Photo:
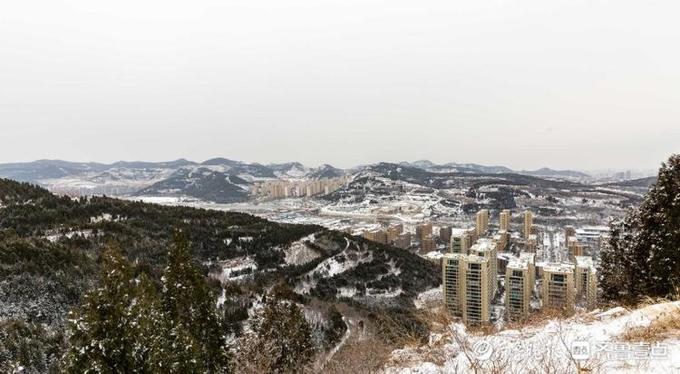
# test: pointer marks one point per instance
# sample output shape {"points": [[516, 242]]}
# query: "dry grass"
{"points": [[439, 319], [436, 319], [537, 318], [482, 329], [396, 333], [665, 325]]}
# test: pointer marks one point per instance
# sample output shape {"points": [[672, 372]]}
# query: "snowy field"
{"points": [[407, 209]]}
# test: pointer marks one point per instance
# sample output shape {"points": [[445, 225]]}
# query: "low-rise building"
{"points": [[592, 236]]}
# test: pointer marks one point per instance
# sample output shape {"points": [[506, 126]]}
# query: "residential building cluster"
{"points": [[281, 189], [394, 234], [422, 237], [484, 265], [473, 271]]}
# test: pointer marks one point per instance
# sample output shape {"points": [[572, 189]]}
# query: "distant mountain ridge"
{"points": [[225, 180], [219, 179], [477, 168], [36, 171]]}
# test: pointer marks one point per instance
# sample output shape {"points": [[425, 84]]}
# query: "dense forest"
{"points": [[56, 257]]}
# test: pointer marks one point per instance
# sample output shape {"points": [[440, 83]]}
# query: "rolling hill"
{"points": [[49, 248]]}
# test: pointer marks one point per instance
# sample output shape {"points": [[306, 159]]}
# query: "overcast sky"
{"points": [[580, 84]]}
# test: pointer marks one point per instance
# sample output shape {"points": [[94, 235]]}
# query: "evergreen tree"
{"points": [[101, 339], [125, 326], [643, 257], [196, 328], [150, 328], [336, 326], [611, 272], [281, 341]]}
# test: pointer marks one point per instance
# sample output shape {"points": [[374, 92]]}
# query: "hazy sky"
{"points": [[567, 84]]}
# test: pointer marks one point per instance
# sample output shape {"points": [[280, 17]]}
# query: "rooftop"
{"points": [[527, 256], [558, 268], [484, 244], [459, 231], [464, 257], [584, 262], [518, 264]]}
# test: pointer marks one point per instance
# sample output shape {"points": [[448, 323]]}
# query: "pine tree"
{"points": [[336, 326], [611, 272], [643, 258], [101, 340], [281, 341], [125, 326], [150, 328], [196, 328]]}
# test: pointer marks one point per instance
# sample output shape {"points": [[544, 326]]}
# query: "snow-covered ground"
{"points": [[428, 298], [56, 236], [299, 253], [592, 341], [115, 181], [236, 265]]}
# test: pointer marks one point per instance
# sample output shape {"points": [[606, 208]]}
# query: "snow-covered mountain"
{"points": [[47, 169], [201, 183], [228, 178], [453, 167], [403, 190], [324, 171]]}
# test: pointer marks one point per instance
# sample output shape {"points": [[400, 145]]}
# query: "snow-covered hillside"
{"points": [[592, 341]]}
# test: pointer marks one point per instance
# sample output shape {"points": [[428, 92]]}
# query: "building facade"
{"points": [[486, 248], [528, 223], [445, 233], [518, 289], [557, 287], [427, 244], [504, 220], [466, 287], [482, 222], [423, 230], [461, 240], [586, 281]]}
